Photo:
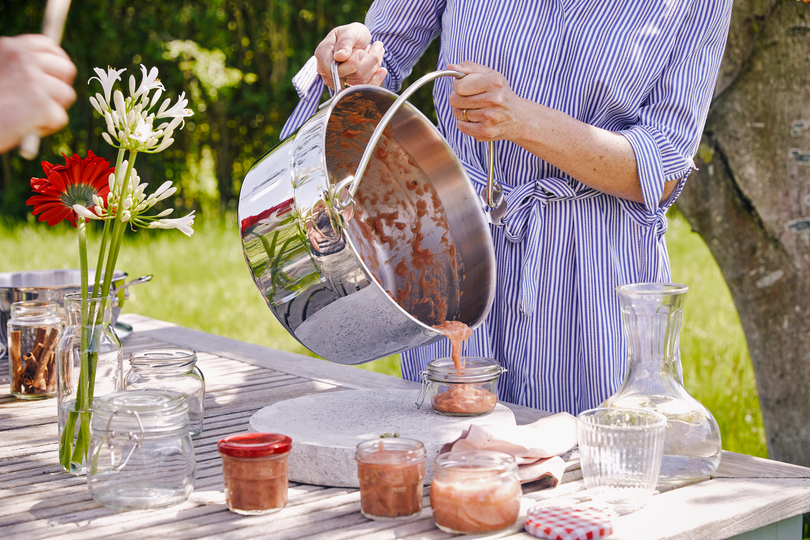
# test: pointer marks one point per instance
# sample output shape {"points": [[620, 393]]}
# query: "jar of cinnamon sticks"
{"points": [[33, 335]]}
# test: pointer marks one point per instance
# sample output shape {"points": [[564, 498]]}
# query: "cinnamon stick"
{"points": [[30, 366], [51, 373], [42, 359], [16, 360]]}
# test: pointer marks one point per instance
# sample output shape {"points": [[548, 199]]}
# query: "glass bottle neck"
{"points": [[99, 310], [652, 323]]}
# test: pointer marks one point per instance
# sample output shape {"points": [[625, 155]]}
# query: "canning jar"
{"points": [[141, 455], [475, 491], [170, 369], [469, 391], [33, 339], [255, 467], [391, 472]]}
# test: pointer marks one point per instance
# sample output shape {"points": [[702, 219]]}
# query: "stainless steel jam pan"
{"points": [[304, 259]]}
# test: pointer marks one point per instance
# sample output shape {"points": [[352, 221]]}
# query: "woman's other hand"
{"points": [[484, 104], [359, 60], [35, 88]]}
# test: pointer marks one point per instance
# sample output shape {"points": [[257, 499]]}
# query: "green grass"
{"points": [[717, 368], [203, 282], [200, 282]]}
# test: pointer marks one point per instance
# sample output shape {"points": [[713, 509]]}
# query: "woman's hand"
{"points": [[359, 61], [35, 88], [484, 104], [596, 157]]}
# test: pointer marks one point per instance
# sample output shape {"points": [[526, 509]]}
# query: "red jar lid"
{"points": [[249, 445]]}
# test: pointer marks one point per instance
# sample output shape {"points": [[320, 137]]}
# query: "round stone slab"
{"points": [[326, 428]]}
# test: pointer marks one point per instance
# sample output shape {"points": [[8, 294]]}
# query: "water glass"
{"points": [[621, 452]]}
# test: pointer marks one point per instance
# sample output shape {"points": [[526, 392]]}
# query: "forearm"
{"points": [[595, 157]]}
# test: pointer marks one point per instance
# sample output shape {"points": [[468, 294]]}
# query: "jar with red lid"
{"points": [[256, 470]]}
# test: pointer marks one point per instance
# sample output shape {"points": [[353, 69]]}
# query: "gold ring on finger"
{"points": [[464, 114]]}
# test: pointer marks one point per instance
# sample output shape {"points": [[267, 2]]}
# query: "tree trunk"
{"points": [[750, 202]]}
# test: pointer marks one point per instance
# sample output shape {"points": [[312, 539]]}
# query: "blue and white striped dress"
{"points": [[643, 68]]}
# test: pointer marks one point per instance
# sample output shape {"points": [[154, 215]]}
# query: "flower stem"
{"points": [[67, 447], [105, 237], [118, 229]]}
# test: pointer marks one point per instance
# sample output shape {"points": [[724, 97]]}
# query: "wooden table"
{"points": [[39, 501]]}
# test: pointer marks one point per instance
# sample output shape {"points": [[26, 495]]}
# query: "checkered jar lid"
{"points": [[567, 523]]}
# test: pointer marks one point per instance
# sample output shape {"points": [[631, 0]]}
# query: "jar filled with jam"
{"points": [[391, 472], [475, 491], [255, 467], [470, 389]]}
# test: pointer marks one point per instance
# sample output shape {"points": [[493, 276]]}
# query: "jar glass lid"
{"points": [[167, 357], [476, 370], [476, 462], [387, 450], [34, 309], [147, 410]]}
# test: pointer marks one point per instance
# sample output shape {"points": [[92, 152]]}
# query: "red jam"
{"points": [[475, 491], [391, 474]]}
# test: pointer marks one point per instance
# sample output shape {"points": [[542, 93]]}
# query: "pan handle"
{"points": [[343, 194]]}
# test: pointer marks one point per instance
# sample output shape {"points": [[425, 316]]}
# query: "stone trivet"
{"points": [[326, 428]]}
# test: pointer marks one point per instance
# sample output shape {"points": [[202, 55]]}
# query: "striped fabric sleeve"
{"points": [[405, 29], [670, 123], [309, 86]]}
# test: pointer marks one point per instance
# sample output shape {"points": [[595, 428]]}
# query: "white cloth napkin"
{"points": [[536, 446]]}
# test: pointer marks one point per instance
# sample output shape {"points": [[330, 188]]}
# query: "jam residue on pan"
{"points": [[399, 227]]}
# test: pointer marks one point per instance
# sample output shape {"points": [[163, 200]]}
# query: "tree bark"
{"points": [[750, 202]]}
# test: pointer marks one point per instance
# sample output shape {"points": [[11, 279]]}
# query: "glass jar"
{"points": [[170, 369], [651, 317], [470, 391], [33, 338], [391, 472], [475, 491], [141, 454], [255, 467]]}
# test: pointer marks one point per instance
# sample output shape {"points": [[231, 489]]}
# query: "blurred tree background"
{"points": [[234, 59]]}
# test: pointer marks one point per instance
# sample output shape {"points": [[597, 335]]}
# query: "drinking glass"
{"points": [[621, 452]]}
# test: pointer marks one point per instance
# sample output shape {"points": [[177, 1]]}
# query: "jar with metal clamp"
{"points": [[469, 390], [170, 369], [141, 455]]}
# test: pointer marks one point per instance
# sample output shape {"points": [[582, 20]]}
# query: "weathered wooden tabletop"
{"points": [[39, 501]]}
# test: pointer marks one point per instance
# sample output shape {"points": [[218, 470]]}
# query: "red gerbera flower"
{"points": [[65, 185]]}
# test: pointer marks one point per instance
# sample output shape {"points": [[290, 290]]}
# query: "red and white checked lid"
{"points": [[567, 523]]}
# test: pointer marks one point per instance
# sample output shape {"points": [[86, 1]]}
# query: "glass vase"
{"points": [[89, 364], [651, 317]]}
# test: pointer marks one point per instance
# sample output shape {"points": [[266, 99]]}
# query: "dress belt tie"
{"points": [[524, 218]]}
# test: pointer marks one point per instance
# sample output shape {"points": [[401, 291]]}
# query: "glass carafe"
{"points": [[651, 317]]}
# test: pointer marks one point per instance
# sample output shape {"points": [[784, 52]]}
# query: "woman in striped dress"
{"points": [[596, 109]]}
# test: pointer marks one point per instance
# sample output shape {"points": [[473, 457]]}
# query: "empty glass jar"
{"points": [[651, 317], [170, 369], [33, 339], [470, 391], [141, 455]]}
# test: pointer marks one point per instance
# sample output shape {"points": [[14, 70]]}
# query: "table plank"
{"points": [[38, 501]]}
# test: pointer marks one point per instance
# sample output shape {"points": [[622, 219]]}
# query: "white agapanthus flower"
{"points": [[136, 204], [107, 80], [130, 120], [182, 224]]}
